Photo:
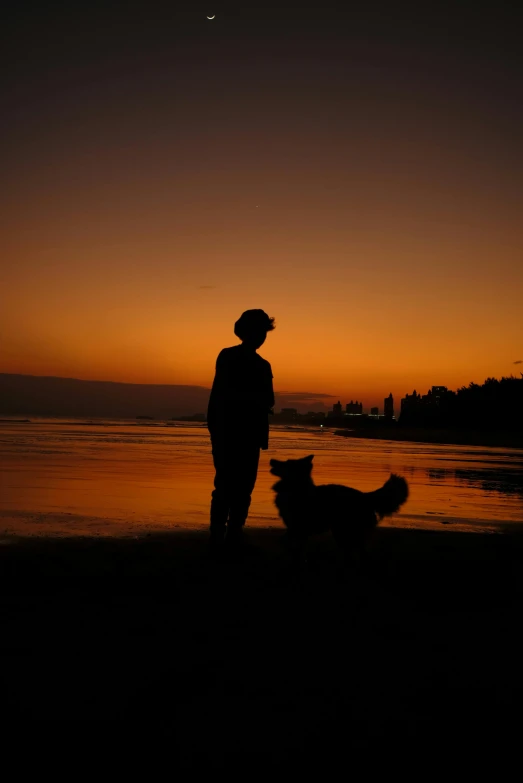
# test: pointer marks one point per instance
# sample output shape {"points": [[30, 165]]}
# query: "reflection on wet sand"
{"points": [[118, 478], [486, 479]]}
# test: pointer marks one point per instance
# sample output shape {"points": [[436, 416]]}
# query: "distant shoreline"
{"points": [[397, 433], [451, 437]]}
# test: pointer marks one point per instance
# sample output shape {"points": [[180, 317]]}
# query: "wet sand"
{"points": [[511, 440], [249, 662], [119, 479]]}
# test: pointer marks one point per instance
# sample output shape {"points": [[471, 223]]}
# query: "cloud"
{"points": [[208, 287], [519, 361], [304, 395], [302, 401]]}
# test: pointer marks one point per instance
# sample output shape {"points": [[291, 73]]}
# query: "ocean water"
{"points": [[102, 477]]}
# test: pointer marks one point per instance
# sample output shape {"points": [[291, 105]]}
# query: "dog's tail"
{"points": [[390, 497]]}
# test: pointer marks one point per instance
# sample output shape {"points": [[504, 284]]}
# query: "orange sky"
{"points": [[365, 193]]}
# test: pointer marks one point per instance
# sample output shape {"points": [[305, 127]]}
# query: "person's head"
{"points": [[252, 327]]}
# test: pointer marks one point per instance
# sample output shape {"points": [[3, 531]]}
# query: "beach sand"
{"points": [[252, 662]]}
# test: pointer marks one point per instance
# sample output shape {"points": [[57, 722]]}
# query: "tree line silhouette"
{"points": [[493, 405]]}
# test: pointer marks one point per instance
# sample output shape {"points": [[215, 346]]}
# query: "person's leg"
{"points": [[243, 479], [220, 497]]}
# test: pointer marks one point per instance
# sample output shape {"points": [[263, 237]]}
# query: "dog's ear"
{"points": [[310, 457]]}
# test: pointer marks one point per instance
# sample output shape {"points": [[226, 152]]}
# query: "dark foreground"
{"points": [[250, 663]]}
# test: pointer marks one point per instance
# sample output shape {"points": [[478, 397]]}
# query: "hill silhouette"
{"points": [[51, 396], [40, 395]]}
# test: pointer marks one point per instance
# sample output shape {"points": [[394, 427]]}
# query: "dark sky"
{"points": [[354, 171]]}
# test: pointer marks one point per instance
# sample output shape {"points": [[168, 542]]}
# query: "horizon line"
{"points": [[305, 395]]}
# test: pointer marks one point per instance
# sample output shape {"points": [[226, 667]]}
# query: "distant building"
{"points": [[433, 397], [354, 407], [336, 409], [374, 411], [411, 406], [388, 406], [410, 402], [428, 409], [438, 392], [289, 413]]}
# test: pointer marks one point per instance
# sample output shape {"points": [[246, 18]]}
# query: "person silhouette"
{"points": [[241, 399]]}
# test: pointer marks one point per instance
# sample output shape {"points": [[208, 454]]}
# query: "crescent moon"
{"points": [[211, 17]]}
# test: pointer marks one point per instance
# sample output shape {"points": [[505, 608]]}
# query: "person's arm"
{"points": [[217, 394], [272, 401], [264, 398]]}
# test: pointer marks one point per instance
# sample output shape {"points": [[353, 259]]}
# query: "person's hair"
{"points": [[253, 322]]}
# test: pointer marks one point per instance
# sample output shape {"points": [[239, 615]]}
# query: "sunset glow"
{"points": [[361, 186]]}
